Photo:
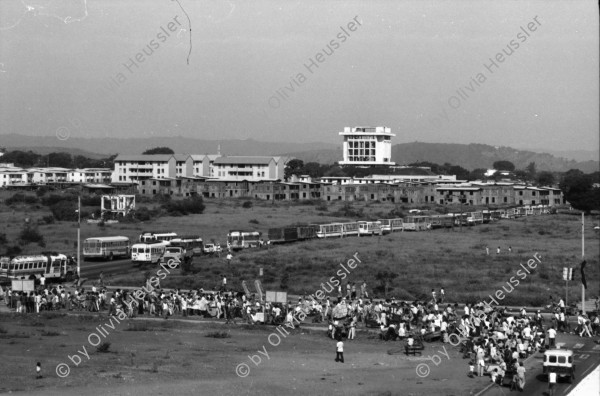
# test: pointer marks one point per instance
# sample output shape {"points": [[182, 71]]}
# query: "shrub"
{"points": [[31, 235], [21, 198], [48, 219], [14, 250], [90, 200], [3, 239], [247, 205], [50, 333], [56, 198], [253, 221], [104, 347], [193, 205], [218, 334], [64, 211]]}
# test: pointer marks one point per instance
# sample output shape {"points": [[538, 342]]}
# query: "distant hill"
{"points": [[469, 156], [109, 146], [48, 150]]}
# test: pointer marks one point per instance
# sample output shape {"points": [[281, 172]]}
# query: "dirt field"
{"points": [[176, 358]]}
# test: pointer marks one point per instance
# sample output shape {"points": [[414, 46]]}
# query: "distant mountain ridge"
{"points": [[469, 156], [179, 144]]}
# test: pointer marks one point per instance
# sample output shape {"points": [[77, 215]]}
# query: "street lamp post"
{"points": [[79, 236]]}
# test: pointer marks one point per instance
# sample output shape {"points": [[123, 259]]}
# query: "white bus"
{"points": [[149, 237], [328, 230], [191, 243], [243, 239], [475, 218], [417, 223], [148, 252], [391, 225], [106, 247], [369, 228], [53, 266]]}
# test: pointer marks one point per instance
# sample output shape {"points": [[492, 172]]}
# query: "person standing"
{"points": [[551, 337], [339, 354], [498, 250], [551, 383], [521, 376], [510, 249], [352, 332], [487, 250], [442, 295]]}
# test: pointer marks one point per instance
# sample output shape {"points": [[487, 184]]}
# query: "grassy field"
{"points": [[453, 259]]}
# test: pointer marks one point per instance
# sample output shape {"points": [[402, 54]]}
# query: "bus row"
{"points": [[408, 223]]}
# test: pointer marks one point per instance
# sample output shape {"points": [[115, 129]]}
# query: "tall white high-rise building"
{"points": [[367, 146]]}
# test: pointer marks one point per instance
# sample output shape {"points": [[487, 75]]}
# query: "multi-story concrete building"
{"points": [[134, 168], [366, 146], [250, 168]]}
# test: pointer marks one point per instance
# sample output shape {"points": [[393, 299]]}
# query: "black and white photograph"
{"points": [[300, 197]]}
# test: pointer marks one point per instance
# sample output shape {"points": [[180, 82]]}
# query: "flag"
{"points": [[583, 282]]}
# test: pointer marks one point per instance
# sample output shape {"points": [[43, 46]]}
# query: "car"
{"points": [[211, 249], [559, 361]]}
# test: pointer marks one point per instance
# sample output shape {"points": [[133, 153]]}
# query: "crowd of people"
{"points": [[495, 342]]}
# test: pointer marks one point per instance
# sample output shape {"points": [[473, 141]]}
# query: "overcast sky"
{"points": [[401, 67]]}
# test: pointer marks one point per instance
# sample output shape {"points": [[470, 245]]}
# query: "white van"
{"points": [[559, 361]]}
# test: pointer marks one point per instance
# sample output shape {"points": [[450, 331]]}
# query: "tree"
{"points": [[545, 178], [477, 174], [158, 150], [313, 169], [21, 158], [61, 160], [531, 170], [579, 191], [293, 167], [504, 166]]}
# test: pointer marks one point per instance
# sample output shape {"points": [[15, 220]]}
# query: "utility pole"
{"points": [[79, 236], [582, 258]]}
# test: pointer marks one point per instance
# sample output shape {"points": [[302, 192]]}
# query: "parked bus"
{"points": [[369, 228], [349, 229], [191, 243], [442, 221], [474, 218], [106, 247], [53, 266], [329, 230], [148, 252], [417, 223], [243, 239], [149, 237], [391, 225]]}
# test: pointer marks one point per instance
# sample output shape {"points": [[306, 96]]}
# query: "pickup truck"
{"points": [[211, 249]]}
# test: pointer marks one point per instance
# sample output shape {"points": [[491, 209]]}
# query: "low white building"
{"points": [[12, 176], [90, 175]]}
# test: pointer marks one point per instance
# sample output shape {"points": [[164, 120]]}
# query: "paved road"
{"points": [[587, 357]]}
